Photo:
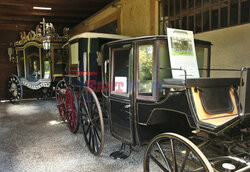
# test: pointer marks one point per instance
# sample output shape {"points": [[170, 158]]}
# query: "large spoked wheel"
{"points": [[173, 152], [92, 120], [60, 91], [71, 110], [61, 105], [15, 88], [61, 86]]}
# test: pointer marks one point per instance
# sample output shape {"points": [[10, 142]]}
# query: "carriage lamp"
{"points": [[11, 54], [46, 43]]}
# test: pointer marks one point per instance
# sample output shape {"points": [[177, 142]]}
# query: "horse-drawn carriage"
{"points": [[132, 83], [40, 61]]}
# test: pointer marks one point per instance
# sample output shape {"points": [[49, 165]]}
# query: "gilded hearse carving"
{"points": [[40, 61]]}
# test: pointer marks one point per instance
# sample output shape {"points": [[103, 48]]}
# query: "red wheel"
{"points": [[61, 105], [71, 109]]}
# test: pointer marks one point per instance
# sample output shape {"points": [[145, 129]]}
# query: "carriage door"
{"points": [[121, 94]]}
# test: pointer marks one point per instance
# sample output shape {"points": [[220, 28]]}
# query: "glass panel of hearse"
{"points": [[45, 65], [20, 62], [120, 71], [33, 71]]}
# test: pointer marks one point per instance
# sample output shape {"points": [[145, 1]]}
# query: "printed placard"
{"points": [[182, 53]]}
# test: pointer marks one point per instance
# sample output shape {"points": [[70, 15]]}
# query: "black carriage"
{"points": [[142, 101], [40, 61]]}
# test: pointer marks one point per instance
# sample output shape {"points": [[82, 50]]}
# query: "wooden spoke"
{"points": [[164, 156], [157, 162], [184, 160]]}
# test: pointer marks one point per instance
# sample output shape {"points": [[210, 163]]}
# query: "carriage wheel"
{"points": [[61, 105], [173, 152], [92, 120], [71, 110], [15, 88], [60, 87], [60, 98], [45, 93]]}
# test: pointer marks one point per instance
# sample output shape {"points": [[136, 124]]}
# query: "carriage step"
{"points": [[123, 153]]}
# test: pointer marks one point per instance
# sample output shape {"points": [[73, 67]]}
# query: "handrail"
{"points": [[241, 99]]}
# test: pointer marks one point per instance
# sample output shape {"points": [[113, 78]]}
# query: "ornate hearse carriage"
{"points": [[136, 90], [40, 61]]}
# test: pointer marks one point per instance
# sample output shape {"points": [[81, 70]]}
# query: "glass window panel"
{"points": [[224, 16], [177, 7], [145, 70], [164, 62], [184, 5], [33, 71], [197, 4], [215, 19], [191, 4], [21, 63], [165, 8], [178, 24], [171, 7], [206, 3], [120, 71], [45, 65], [191, 23], [198, 22], [233, 12], [60, 60], [184, 22], [202, 59], [245, 11], [74, 53], [171, 24], [206, 20]]}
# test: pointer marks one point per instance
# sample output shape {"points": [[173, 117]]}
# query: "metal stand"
{"points": [[123, 153]]}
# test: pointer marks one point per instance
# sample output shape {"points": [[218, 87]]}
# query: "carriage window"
{"points": [[59, 61], [45, 65], [21, 62], [33, 71], [74, 53], [164, 62], [120, 71], [202, 59], [145, 70]]}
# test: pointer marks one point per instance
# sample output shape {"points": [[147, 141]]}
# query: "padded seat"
{"points": [[212, 82], [200, 82]]}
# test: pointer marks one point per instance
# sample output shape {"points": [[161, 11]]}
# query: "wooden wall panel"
{"points": [[5, 67]]}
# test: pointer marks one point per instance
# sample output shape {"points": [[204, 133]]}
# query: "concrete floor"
{"points": [[32, 138]]}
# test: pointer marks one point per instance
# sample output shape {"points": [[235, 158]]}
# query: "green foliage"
{"points": [[145, 63]]}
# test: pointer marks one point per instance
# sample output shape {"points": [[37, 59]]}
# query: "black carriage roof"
{"points": [[154, 37]]}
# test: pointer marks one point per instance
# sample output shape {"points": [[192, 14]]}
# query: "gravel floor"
{"points": [[32, 138]]}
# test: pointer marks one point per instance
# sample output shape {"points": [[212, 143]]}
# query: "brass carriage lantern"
{"points": [[11, 54], [46, 43]]}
